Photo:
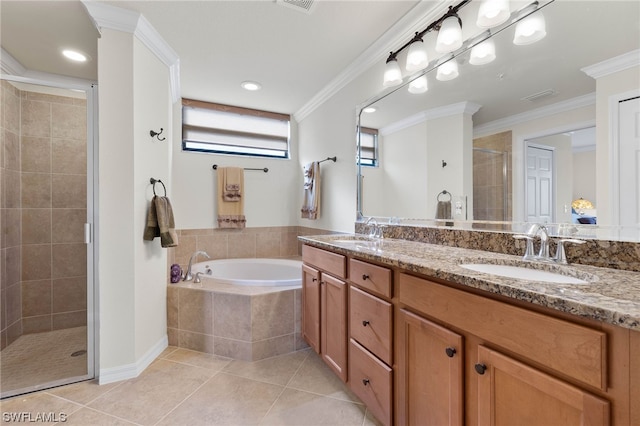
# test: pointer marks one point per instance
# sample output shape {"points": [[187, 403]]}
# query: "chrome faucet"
{"points": [[543, 254], [187, 275], [375, 230], [542, 230]]}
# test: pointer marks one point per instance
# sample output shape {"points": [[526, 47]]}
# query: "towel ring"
{"points": [[444, 192], [153, 182]]}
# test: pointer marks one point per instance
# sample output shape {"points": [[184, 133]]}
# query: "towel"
{"points": [[232, 178], [443, 211], [311, 187], [160, 222], [230, 198]]}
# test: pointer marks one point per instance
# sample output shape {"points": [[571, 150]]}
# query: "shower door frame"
{"points": [[90, 228]]}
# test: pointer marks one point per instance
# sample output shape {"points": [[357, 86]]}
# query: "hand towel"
{"points": [[160, 222], [311, 191], [232, 178], [443, 210], [231, 201]]}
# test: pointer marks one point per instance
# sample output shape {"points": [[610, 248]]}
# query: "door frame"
{"points": [[91, 91], [614, 152]]}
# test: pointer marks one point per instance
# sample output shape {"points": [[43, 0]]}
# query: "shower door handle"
{"points": [[87, 233]]}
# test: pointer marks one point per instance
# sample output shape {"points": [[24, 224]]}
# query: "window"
{"points": [[368, 147], [224, 129]]}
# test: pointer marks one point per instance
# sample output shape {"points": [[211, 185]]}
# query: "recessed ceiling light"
{"points": [[251, 85], [74, 55], [370, 109]]}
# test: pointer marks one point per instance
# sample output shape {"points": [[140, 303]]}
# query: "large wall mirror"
{"points": [[483, 141]]}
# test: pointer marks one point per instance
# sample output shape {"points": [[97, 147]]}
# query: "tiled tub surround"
{"points": [[614, 298], [248, 323], [44, 171], [623, 255], [239, 322]]}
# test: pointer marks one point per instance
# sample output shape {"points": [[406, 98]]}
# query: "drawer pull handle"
{"points": [[480, 368], [365, 323], [450, 352], [365, 382], [365, 276], [313, 280]]}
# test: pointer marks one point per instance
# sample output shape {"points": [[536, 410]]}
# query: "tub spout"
{"points": [[187, 275]]}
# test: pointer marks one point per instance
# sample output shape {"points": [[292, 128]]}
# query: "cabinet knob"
{"points": [[365, 276], [480, 368], [365, 382], [450, 352], [313, 280], [365, 323]]}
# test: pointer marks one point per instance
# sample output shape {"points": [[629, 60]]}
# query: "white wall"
{"points": [[133, 98], [584, 178]]}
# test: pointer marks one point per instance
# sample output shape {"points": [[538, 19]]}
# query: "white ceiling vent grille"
{"points": [[539, 95], [305, 6]]}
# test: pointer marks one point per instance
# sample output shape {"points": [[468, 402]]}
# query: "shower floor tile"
{"points": [[40, 358]]}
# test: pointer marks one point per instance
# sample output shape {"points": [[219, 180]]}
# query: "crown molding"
{"points": [[512, 120], [9, 64], [416, 19], [613, 65], [119, 19], [460, 108]]}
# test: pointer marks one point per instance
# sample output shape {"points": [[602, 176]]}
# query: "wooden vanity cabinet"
{"points": [[324, 301], [481, 361]]}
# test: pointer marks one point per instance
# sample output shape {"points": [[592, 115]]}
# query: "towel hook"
{"points": [[444, 192], [444, 164], [157, 134], [153, 182]]}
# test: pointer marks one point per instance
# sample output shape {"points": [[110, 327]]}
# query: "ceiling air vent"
{"points": [[305, 6], [539, 95]]}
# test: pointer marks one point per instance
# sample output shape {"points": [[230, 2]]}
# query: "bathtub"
{"points": [[251, 272]]}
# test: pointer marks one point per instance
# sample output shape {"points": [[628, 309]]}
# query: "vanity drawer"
{"points": [[371, 323], [372, 277], [371, 380], [570, 349], [332, 263]]}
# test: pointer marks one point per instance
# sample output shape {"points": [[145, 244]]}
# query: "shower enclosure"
{"points": [[491, 185], [46, 284]]}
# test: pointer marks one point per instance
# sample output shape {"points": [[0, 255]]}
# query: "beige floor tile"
{"points": [[168, 351], [296, 407], [87, 416], [225, 400], [370, 419], [314, 376], [278, 370], [36, 404], [83, 392], [211, 362], [147, 398]]}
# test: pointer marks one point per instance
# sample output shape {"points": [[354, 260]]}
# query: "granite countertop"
{"points": [[610, 295]]}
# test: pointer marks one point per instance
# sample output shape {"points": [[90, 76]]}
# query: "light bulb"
{"points": [[449, 36], [530, 29], [392, 74], [417, 56], [493, 13], [447, 71], [483, 53], [419, 85]]}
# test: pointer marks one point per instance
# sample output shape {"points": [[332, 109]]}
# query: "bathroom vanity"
{"points": [[422, 340]]}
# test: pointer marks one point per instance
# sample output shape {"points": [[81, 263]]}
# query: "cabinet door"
{"points": [[511, 393], [311, 307], [333, 330], [430, 373]]}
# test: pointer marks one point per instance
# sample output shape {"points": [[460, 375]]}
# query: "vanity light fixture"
{"points": [[252, 86], [493, 13], [392, 73], [448, 70], [419, 85], [417, 58], [483, 52], [450, 34], [530, 29], [74, 55]]}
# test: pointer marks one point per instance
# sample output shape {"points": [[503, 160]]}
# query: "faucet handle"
{"points": [[561, 256], [528, 253]]}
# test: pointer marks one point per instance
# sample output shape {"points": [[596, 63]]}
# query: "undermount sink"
{"points": [[523, 273], [359, 243]]}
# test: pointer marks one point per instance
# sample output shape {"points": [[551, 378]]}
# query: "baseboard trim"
{"points": [[129, 371]]}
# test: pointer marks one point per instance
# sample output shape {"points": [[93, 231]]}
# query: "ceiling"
{"points": [[293, 54]]}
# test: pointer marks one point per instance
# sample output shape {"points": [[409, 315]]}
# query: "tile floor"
{"points": [[184, 387]]}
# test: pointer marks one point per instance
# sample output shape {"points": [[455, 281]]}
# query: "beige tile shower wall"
{"points": [[10, 217], [53, 200], [488, 189]]}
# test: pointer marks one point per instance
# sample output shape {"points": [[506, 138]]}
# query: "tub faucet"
{"points": [[187, 275]]}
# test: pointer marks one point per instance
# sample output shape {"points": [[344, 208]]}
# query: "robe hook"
{"points": [[157, 134]]}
